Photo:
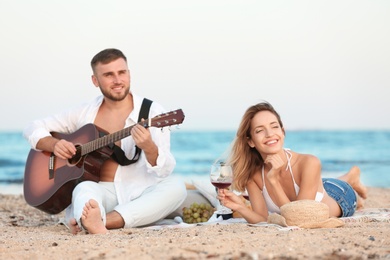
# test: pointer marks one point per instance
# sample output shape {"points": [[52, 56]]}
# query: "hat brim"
{"points": [[277, 219], [329, 223]]}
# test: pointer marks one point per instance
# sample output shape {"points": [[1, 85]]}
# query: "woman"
{"points": [[274, 176]]}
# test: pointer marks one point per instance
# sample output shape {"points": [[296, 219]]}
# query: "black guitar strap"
{"points": [[118, 154]]}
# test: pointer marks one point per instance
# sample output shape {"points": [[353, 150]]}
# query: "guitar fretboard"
{"points": [[104, 141]]}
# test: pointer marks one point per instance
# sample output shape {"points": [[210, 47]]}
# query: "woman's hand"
{"points": [[236, 203], [276, 163], [230, 199]]}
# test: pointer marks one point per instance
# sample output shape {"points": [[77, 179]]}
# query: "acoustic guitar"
{"points": [[49, 180]]}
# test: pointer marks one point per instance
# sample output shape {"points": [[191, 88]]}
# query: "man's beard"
{"points": [[115, 97]]}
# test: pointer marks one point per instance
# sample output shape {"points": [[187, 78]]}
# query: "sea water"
{"points": [[195, 152]]}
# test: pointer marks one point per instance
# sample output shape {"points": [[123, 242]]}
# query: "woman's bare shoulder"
{"points": [[306, 165], [256, 179], [307, 159]]}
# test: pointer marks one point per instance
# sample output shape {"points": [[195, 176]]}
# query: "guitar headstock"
{"points": [[167, 119]]}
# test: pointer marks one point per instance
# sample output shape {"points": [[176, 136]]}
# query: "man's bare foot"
{"points": [[74, 227], [91, 218], [353, 178]]}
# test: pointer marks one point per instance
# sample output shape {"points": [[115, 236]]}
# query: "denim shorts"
{"points": [[343, 194]]}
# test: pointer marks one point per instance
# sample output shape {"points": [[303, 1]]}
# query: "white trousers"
{"points": [[154, 204]]}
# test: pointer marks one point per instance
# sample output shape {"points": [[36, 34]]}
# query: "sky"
{"points": [[324, 65]]}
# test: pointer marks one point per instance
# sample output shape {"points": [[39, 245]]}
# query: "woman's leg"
{"points": [[352, 177], [342, 193]]}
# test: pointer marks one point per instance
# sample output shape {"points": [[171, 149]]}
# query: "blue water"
{"points": [[196, 151]]}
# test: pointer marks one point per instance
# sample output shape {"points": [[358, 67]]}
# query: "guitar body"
{"points": [[51, 190]]}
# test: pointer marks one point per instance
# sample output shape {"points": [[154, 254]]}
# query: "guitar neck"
{"points": [[167, 119], [105, 140]]}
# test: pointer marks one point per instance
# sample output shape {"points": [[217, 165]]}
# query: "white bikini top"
{"points": [[272, 207]]}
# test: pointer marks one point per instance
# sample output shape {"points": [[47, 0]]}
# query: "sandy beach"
{"points": [[27, 233]]}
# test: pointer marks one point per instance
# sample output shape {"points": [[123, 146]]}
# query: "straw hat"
{"points": [[305, 214]]}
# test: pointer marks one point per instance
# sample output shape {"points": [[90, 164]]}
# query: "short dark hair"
{"points": [[106, 56]]}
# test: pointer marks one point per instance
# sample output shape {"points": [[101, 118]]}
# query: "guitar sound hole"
{"points": [[76, 158]]}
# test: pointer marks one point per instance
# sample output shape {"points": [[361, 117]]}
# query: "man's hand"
{"points": [[142, 137], [64, 149], [143, 140]]}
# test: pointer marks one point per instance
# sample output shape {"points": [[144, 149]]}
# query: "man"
{"points": [[131, 195]]}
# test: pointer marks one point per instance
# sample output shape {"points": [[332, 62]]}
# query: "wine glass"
{"points": [[221, 176], [245, 195]]}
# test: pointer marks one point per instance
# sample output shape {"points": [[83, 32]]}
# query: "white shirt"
{"points": [[130, 181]]}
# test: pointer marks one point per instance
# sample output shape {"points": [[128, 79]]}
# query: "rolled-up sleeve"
{"points": [[66, 122], [165, 160]]}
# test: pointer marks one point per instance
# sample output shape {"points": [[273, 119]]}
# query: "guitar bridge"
{"points": [[51, 166]]}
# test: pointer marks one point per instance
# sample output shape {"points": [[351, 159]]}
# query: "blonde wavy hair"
{"points": [[245, 160]]}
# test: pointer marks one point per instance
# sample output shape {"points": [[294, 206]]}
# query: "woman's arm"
{"points": [[273, 176], [309, 177], [307, 172], [258, 213], [256, 199]]}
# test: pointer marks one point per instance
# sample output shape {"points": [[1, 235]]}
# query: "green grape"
{"points": [[197, 213]]}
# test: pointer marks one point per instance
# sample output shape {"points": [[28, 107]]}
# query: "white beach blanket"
{"points": [[360, 216], [369, 215], [208, 191]]}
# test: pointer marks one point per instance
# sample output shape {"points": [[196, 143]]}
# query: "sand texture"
{"points": [[27, 233]]}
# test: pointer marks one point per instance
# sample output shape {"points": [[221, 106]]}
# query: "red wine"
{"points": [[221, 185]]}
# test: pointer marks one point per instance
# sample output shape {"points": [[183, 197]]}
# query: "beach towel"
{"points": [[206, 192]]}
